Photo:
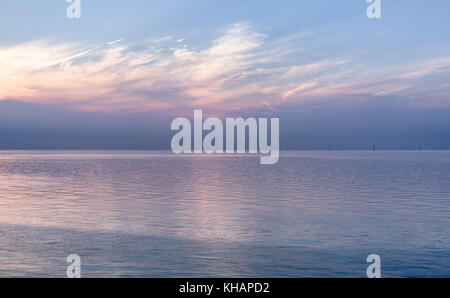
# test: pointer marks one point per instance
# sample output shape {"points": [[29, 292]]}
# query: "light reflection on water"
{"points": [[151, 213]]}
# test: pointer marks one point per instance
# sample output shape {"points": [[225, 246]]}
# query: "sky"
{"points": [[118, 76]]}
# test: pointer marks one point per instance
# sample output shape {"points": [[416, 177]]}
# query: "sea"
{"points": [[157, 214]]}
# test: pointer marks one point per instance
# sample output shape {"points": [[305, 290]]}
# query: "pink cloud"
{"points": [[240, 69]]}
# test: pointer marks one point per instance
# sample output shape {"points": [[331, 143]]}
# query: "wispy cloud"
{"points": [[241, 68]]}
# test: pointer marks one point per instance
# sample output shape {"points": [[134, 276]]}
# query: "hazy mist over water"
{"points": [[385, 124], [153, 213]]}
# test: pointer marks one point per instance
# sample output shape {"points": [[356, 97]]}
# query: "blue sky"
{"points": [[165, 58]]}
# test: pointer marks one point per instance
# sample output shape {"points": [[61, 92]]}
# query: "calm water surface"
{"points": [[151, 213]]}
